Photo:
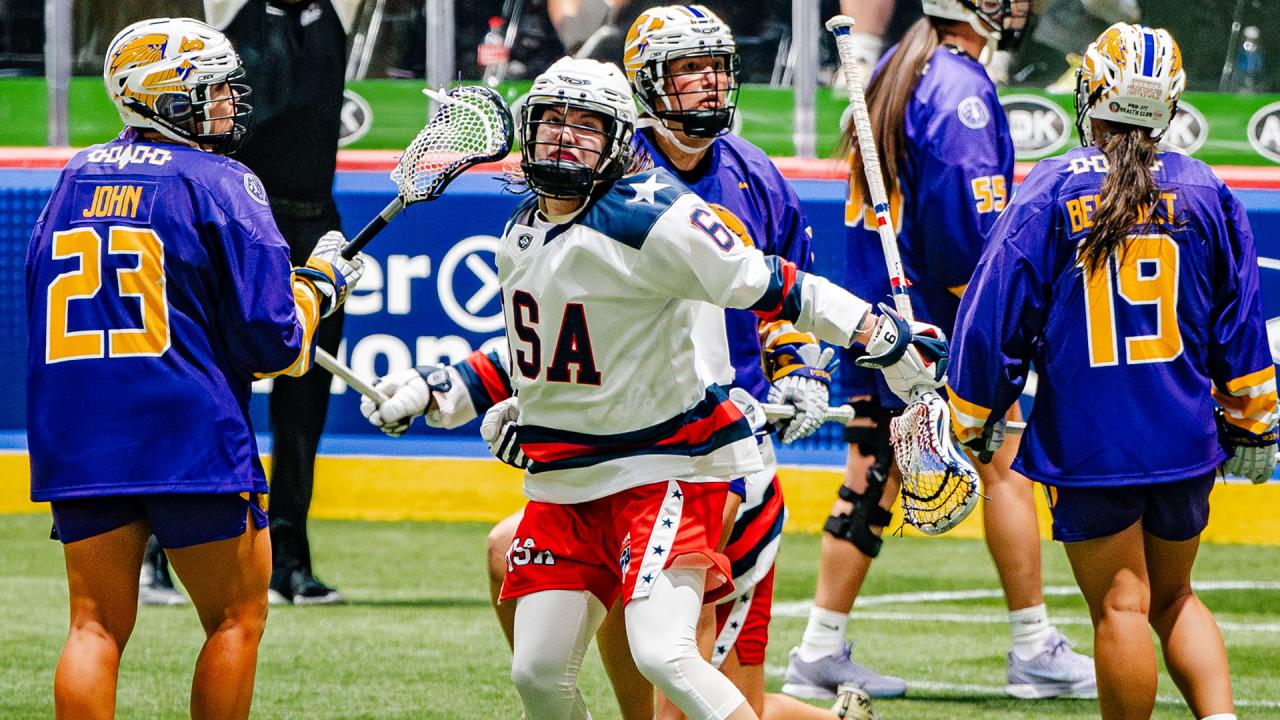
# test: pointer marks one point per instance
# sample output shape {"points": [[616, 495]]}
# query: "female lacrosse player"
{"points": [[1128, 276], [629, 434], [682, 63], [948, 165], [158, 287]]}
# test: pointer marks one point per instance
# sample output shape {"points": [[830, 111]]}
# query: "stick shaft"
{"points": [[374, 227], [782, 411], [330, 363], [840, 26]]}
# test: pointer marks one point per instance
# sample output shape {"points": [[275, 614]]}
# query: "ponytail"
{"points": [[1128, 195], [887, 99]]}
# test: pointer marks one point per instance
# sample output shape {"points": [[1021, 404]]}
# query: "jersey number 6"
{"points": [[145, 282]]}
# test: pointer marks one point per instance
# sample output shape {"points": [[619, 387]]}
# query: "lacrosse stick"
{"points": [[333, 365], [472, 126], [940, 487], [782, 411]]}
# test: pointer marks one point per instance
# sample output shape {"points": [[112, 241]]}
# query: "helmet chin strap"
{"points": [[665, 132]]}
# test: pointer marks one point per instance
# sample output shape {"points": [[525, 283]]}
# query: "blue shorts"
{"points": [[177, 521], [1173, 511]]}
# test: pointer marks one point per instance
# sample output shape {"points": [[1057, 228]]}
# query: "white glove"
{"points": [[408, 396], [345, 273], [1254, 463], [808, 395], [499, 430], [911, 356]]}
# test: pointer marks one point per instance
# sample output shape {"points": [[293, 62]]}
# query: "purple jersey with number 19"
{"points": [[1127, 356], [157, 287]]}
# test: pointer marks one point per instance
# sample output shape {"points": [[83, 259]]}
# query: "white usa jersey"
{"points": [[600, 315]]}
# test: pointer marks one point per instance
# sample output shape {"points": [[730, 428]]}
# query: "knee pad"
{"points": [[871, 440], [855, 526]]}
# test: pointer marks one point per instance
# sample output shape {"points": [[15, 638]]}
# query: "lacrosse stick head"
{"points": [[473, 125], [940, 487]]}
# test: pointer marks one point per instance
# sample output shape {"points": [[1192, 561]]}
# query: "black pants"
{"points": [[298, 407]]}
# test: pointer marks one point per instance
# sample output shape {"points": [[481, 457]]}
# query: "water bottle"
{"points": [[1249, 62], [492, 52]]}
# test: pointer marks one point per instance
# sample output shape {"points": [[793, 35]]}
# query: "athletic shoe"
{"points": [[1058, 671], [853, 703], [155, 587], [822, 678], [306, 589]]}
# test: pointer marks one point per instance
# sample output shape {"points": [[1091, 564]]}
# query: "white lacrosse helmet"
{"points": [[1132, 74], [662, 34], [1001, 22], [581, 84], [161, 73]]}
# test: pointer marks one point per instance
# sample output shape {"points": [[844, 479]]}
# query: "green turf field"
{"points": [[418, 640]]}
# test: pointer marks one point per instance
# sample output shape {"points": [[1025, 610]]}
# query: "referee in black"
{"points": [[294, 53]]}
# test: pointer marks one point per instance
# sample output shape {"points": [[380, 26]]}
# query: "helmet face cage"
{"points": [[657, 86], [552, 176], [196, 114], [1006, 22]]}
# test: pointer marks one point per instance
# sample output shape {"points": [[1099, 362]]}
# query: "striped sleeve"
{"points": [[1249, 401], [690, 254], [306, 304], [1240, 357]]}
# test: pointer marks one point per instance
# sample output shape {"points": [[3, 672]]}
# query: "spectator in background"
{"points": [[294, 54]]}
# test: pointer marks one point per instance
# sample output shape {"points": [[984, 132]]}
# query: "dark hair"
{"points": [[887, 99], [1128, 195]]}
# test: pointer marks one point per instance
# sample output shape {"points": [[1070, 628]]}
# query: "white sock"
{"points": [[1030, 628], [824, 635], [1220, 716]]}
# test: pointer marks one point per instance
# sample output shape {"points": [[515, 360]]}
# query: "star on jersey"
{"points": [[646, 190]]}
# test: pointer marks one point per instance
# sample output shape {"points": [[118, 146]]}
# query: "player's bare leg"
{"points": [[1192, 643], [1041, 661], [1009, 520], [843, 566], [823, 660], [498, 543], [634, 692], [227, 582], [1112, 575], [102, 579]]}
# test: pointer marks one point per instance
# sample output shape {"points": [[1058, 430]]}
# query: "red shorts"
{"points": [[617, 545], [744, 624]]}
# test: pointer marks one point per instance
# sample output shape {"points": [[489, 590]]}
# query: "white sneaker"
{"points": [[1058, 671]]}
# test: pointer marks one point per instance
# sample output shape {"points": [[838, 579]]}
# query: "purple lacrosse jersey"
{"points": [[1127, 356], [157, 286], [955, 178], [740, 178]]}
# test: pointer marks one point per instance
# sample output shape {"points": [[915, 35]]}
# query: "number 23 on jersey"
{"points": [[145, 281]]}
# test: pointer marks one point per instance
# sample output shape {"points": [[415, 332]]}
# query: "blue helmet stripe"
{"points": [[696, 12], [1148, 52]]}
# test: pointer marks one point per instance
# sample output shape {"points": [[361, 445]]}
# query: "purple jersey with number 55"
{"points": [[157, 287], [1126, 356], [954, 178]]}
